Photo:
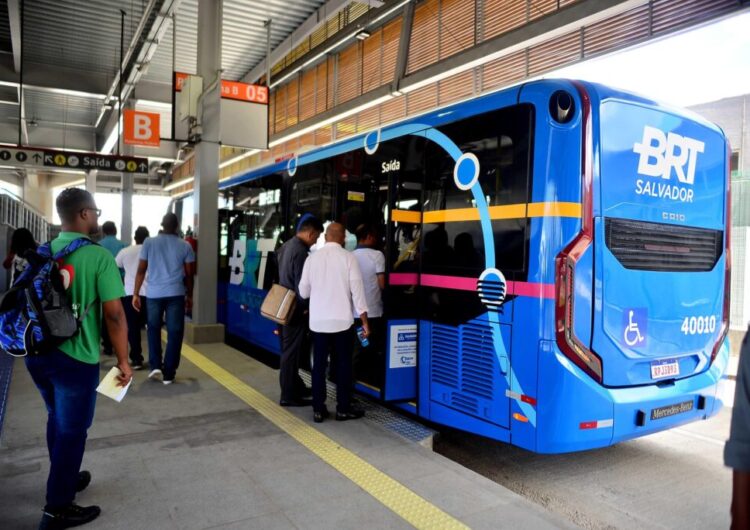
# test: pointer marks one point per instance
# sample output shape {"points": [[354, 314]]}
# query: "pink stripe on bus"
{"points": [[403, 278], [533, 290], [449, 282], [460, 283]]}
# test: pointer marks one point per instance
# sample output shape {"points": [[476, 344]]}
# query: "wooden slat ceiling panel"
{"points": [[456, 87], [421, 100], [554, 53], [372, 60], [504, 71], [617, 31], [457, 26], [424, 34]]}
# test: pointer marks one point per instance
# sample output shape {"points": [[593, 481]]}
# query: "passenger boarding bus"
{"points": [[557, 261]]}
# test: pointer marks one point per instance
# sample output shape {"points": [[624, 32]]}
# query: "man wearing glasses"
{"points": [[67, 378]]}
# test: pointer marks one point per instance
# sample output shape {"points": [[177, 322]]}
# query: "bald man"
{"points": [[332, 280]]}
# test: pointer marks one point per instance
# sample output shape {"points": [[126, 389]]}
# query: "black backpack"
{"points": [[36, 315]]}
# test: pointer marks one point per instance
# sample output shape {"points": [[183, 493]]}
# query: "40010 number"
{"points": [[698, 325]]}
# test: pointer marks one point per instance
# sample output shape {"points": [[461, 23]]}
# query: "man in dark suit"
{"points": [[295, 336]]}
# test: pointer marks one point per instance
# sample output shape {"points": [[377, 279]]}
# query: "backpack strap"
{"points": [[72, 247], [82, 318]]}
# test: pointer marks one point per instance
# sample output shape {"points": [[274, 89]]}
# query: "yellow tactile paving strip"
{"points": [[401, 500]]}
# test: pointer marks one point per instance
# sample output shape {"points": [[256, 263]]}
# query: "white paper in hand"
{"points": [[109, 385]]}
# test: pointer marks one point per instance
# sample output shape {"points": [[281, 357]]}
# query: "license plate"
{"points": [[671, 410], [666, 368]]}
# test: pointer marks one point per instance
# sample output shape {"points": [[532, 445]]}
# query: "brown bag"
{"points": [[279, 304]]}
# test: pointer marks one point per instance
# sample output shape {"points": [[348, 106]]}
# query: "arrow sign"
{"points": [[26, 157]]}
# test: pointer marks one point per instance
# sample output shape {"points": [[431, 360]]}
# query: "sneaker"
{"points": [[84, 479], [137, 366], [153, 374], [168, 381], [71, 515]]}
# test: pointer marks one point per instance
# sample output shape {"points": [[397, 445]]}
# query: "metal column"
{"points": [[207, 161], [126, 227], [91, 181], [128, 186]]}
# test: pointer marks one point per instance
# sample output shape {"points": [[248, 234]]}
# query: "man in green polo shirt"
{"points": [[67, 378]]}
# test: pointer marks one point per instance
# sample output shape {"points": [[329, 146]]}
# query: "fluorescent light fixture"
{"points": [[363, 35], [237, 158], [176, 184], [111, 141], [152, 103]]}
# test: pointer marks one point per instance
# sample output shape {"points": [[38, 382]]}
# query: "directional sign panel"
{"points": [[85, 161], [41, 158], [21, 157]]}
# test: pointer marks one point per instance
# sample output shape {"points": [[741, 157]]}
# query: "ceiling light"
{"points": [[178, 183], [362, 35]]}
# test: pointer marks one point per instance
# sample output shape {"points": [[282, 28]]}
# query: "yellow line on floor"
{"points": [[402, 501]]}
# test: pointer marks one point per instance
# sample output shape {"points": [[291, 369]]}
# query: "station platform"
{"points": [[215, 450]]}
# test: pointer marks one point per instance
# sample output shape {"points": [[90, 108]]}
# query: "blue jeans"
{"points": [[68, 388], [174, 308]]}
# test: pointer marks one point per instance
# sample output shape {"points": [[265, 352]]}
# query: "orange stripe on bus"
{"points": [[406, 216], [555, 209], [508, 211]]}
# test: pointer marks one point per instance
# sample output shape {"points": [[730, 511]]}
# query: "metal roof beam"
{"points": [[14, 19], [313, 22]]}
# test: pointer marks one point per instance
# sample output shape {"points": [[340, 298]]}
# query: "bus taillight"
{"points": [[567, 340], [727, 261]]}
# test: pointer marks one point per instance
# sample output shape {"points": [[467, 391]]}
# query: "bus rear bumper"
{"points": [[589, 416], [644, 410]]}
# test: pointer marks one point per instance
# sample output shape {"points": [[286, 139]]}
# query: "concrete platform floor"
{"points": [[194, 456]]}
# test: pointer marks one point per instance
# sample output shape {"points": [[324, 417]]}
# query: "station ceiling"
{"points": [[81, 39]]}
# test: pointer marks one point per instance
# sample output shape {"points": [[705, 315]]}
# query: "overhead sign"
{"points": [[51, 158], [243, 111], [233, 90], [21, 157], [141, 128]]}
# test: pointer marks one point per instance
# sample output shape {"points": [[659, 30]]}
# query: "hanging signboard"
{"points": [[53, 158], [141, 128], [244, 113]]}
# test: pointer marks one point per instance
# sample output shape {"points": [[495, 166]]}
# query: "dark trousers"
{"points": [[136, 321], [369, 365], [295, 341], [68, 388], [173, 307], [340, 346]]}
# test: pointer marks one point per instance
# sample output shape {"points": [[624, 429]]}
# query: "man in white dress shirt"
{"points": [[331, 279], [127, 259]]}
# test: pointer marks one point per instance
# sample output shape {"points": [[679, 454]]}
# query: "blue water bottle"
{"points": [[364, 341]]}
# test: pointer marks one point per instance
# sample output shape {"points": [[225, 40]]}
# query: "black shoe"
{"points": [[137, 366], [351, 414], [320, 415], [295, 402], [71, 515], [84, 479]]}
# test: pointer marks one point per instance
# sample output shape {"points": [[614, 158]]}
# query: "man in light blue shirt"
{"points": [[114, 245], [110, 241], [170, 262]]}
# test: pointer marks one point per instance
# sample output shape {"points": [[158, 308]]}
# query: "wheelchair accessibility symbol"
{"points": [[634, 326]]}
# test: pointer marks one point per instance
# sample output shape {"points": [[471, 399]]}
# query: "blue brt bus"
{"points": [[557, 261]]}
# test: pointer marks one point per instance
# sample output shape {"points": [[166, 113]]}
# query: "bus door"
{"points": [[381, 186], [361, 195]]}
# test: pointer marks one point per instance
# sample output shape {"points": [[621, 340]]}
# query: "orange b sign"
{"points": [[141, 128]]}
